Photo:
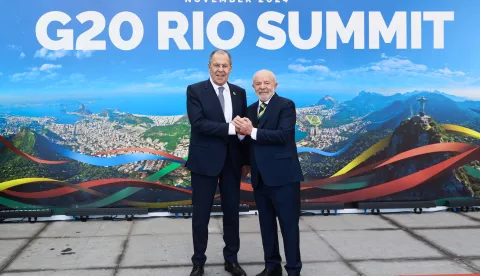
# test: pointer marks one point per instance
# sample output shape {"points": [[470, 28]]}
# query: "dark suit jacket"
{"points": [[273, 154], [209, 137]]}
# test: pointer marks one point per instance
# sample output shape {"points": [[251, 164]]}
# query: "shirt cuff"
{"points": [[231, 129], [254, 134]]}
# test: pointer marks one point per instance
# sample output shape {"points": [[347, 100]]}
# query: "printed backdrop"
{"points": [[387, 96]]}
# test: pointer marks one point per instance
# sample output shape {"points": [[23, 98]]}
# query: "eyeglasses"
{"points": [[217, 66]]}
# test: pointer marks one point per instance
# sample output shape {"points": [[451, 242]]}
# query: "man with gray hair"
{"points": [[215, 158], [275, 172]]}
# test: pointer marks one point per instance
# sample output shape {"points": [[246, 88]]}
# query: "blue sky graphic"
{"points": [[30, 73]]}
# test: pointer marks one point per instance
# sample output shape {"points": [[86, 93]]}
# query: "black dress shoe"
{"points": [[234, 269], [271, 272], [197, 270]]}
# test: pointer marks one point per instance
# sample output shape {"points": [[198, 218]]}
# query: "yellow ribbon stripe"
{"points": [[462, 130], [364, 156], [384, 142], [12, 183]]}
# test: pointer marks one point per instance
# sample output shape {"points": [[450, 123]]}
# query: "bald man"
{"points": [[275, 171]]}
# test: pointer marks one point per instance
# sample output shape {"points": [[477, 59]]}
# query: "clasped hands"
{"points": [[243, 126]]}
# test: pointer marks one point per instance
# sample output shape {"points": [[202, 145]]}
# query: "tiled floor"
{"points": [[345, 244]]}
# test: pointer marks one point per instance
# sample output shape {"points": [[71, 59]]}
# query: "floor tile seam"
{"points": [[431, 244], [124, 249], [469, 217], [19, 250], [345, 261]]}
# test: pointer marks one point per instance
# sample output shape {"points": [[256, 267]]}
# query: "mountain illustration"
{"points": [[363, 104], [15, 166], [435, 92], [376, 106], [83, 111], [413, 133], [124, 118], [390, 119], [437, 106], [472, 105], [328, 101]]}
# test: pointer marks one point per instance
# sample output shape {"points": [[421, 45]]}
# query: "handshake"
{"points": [[243, 126]]}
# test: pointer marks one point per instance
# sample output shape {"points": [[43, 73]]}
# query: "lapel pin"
{"points": [[234, 94]]}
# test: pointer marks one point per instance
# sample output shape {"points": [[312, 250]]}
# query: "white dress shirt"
{"points": [[228, 107], [254, 130]]}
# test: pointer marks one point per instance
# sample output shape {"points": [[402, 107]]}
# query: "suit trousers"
{"points": [[204, 188], [282, 202]]}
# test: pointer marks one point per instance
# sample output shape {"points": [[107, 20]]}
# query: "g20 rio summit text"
{"points": [[406, 27]]}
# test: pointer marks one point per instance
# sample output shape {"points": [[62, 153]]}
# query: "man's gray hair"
{"points": [[274, 78], [220, 51]]}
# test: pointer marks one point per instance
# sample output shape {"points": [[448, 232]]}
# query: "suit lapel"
{"points": [[235, 100], [270, 107], [253, 114], [211, 97]]}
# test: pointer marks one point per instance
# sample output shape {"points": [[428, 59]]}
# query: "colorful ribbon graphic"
{"points": [[85, 187], [111, 161], [461, 130], [347, 178], [405, 182], [97, 161], [27, 156]]}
